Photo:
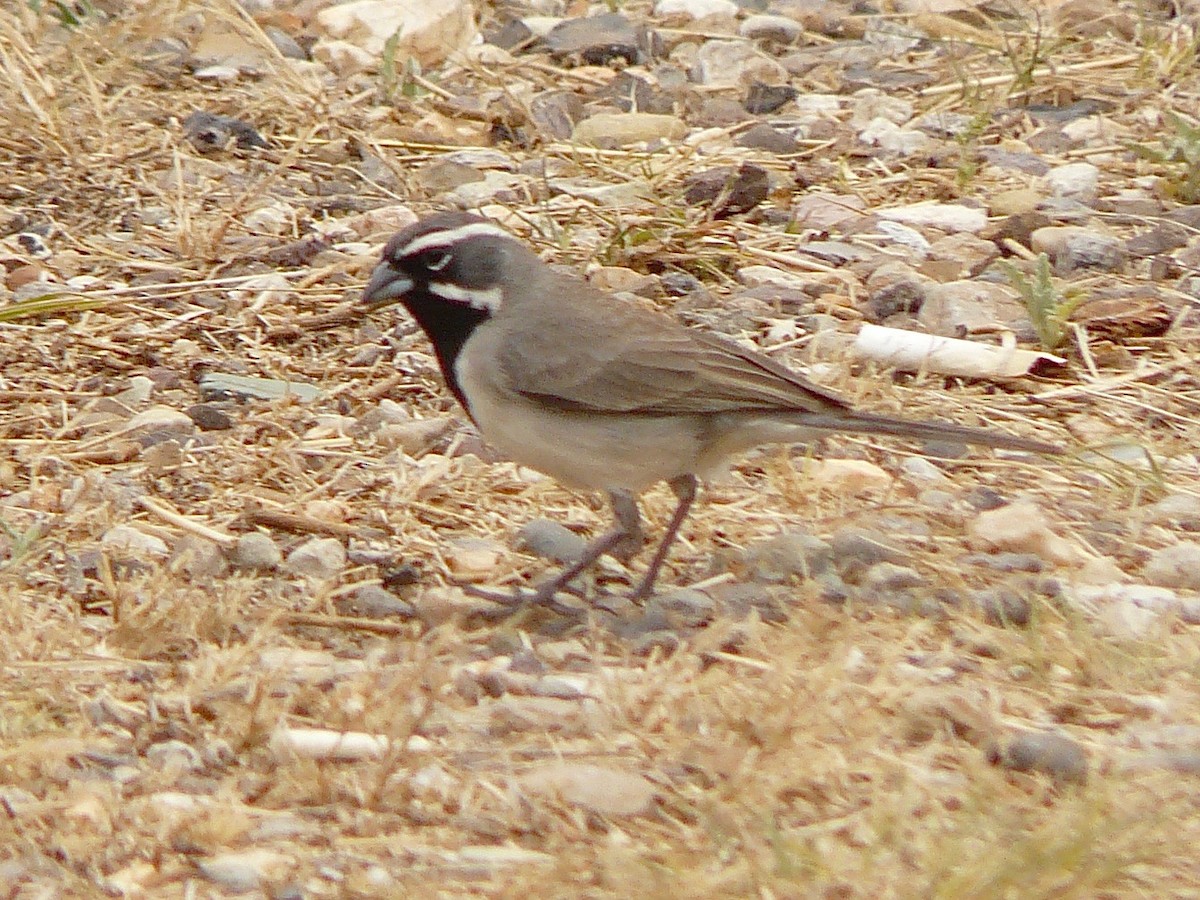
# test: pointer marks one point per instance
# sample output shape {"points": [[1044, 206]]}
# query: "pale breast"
{"points": [[579, 449]]}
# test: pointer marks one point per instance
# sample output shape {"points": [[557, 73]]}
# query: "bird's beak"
{"points": [[385, 287]]}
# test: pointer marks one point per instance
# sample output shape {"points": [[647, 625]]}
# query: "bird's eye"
{"points": [[436, 260]]}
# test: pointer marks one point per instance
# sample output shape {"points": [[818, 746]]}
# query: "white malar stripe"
{"points": [[452, 236], [484, 300]]}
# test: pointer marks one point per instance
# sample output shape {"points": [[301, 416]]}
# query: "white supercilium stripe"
{"points": [[485, 300], [452, 236]]}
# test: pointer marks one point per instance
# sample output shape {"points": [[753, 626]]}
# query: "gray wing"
{"points": [[607, 355]]}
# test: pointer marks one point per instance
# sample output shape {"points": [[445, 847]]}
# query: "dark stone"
{"points": [[1018, 228], [1165, 237], [556, 112], [1029, 163], [984, 498], [209, 417], [679, 284], [212, 133], [772, 140], [1050, 753], [766, 98], [899, 297], [373, 602], [727, 190], [597, 40], [510, 35], [1004, 606], [630, 93]]}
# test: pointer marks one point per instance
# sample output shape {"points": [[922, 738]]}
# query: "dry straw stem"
{"points": [[795, 747]]}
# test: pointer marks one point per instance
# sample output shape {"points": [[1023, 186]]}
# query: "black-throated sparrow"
{"points": [[598, 392]]}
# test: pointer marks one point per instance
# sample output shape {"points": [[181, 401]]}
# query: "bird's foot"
{"points": [[510, 602]]}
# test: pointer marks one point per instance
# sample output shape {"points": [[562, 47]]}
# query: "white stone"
{"points": [[128, 539], [731, 64], [848, 476], [540, 26], [753, 276], [696, 9], [1077, 181], [601, 789], [1177, 566], [139, 390], [622, 129], [819, 105], [274, 218], [919, 469], [246, 870], [967, 304], [626, 194], [342, 57], [894, 139], [946, 216], [317, 558], [770, 28], [909, 239], [494, 185], [1022, 528], [429, 32], [872, 104], [1125, 619]]}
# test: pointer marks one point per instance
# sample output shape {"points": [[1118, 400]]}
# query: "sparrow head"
{"points": [[457, 259]]}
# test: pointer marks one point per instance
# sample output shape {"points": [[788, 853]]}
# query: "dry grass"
{"points": [[841, 751]]}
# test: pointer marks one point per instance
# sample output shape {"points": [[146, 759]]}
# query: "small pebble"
{"points": [[1077, 181], [474, 559], [138, 391], [857, 545], [983, 498], [764, 137], [1175, 509], [1003, 606], [774, 29], [317, 558], [1176, 566], [373, 602], [696, 9], [728, 190], [255, 550], [200, 558], [1006, 562], [848, 476], [918, 468], [161, 419], [623, 129], [242, 871], [683, 607], [597, 40], [128, 539], [793, 554], [1021, 528], [1050, 753], [886, 578], [175, 756], [209, 417]]}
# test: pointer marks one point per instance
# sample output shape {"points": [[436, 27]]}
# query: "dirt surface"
{"points": [[973, 677]]}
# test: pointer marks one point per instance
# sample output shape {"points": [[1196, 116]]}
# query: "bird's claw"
{"points": [[520, 598]]}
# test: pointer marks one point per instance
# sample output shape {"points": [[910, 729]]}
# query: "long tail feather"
{"points": [[868, 423]]}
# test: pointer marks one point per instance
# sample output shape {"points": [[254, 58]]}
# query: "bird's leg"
{"points": [[629, 524], [622, 541], [685, 489]]}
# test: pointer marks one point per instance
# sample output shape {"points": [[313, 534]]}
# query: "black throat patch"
{"points": [[447, 325]]}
